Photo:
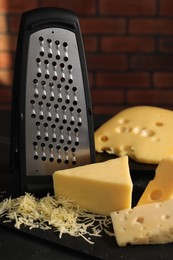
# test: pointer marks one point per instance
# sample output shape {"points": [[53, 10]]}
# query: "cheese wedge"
{"points": [[161, 187], [146, 224], [99, 188], [144, 133]]}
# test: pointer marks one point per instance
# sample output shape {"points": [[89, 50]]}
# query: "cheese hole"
{"points": [[171, 230], [165, 217], [140, 220], [122, 129], [123, 121], [159, 124], [146, 132], [104, 138], [129, 148], [156, 194]]}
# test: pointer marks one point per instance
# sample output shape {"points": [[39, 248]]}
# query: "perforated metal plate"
{"points": [[56, 116]]}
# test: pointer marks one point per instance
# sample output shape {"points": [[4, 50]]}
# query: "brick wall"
{"points": [[128, 45]]}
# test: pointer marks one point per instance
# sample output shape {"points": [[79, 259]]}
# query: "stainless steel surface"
{"points": [[55, 113]]}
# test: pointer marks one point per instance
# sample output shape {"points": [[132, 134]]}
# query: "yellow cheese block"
{"points": [[99, 188], [144, 133], [161, 187], [146, 224]]}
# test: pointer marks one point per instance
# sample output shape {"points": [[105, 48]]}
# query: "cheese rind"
{"points": [[161, 187], [144, 133], [146, 224], [99, 188]]}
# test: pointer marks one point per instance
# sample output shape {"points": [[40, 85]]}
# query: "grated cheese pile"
{"points": [[61, 214]]}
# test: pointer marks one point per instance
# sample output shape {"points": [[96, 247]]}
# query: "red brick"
{"points": [[6, 60], [17, 6], [106, 62], [8, 42], [103, 25], [3, 23], [107, 109], [127, 44], [152, 97], [6, 77], [152, 62], [90, 43], [166, 44], [107, 96], [166, 7], [163, 79], [125, 80], [14, 22], [130, 7], [151, 26], [80, 7], [5, 98]]}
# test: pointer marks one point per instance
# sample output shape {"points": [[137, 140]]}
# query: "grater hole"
{"points": [[41, 39], [58, 147], [38, 74], [67, 87], [67, 101], [46, 62], [36, 95], [52, 98], [36, 157], [74, 89], [48, 104], [38, 137], [74, 102], [40, 103], [41, 117], [35, 143], [65, 44], [47, 76], [43, 96], [71, 122], [56, 106], [43, 145], [38, 60], [71, 109], [35, 81], [56, 120], [45, 124], [76, 130], [70, 81], [61, 141], [43, 158], [42, 53], [70, 67], [53, 126], [79, 123], [65, 59], [43, 82], [58, 57], [50, 146], [32, 101], [64, 121], [59, 160], [69, 142], [33, 115], [74, 162], [66, 161], [79, 110], [54, 63], [51, 159], [76, 143], [49, 40], [55, 77], [57, 42], [49, 118], [37, 123], [49, 55], [46, 138], [62, 79], [59, 100], [59, 86], [54, 139], [73, 149], [62, 65]]}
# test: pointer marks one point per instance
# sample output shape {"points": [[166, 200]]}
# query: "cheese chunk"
{"points": [[161, 187], [144, 133], [146, 224], [99, 188]]}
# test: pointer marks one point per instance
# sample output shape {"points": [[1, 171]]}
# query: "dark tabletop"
{"points": [[25, 245]]}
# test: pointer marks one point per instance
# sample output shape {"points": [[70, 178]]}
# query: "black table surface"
{"points": [[20, 245]]}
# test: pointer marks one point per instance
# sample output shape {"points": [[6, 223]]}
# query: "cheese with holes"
{"points": [[144, 133], [145, 224], [161, 187], [99, 188]]}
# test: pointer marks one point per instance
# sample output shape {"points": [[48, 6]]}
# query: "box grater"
{"points": [[52, 125]]}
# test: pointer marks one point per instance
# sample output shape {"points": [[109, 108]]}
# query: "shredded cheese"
{"points": [[62, 215]]}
